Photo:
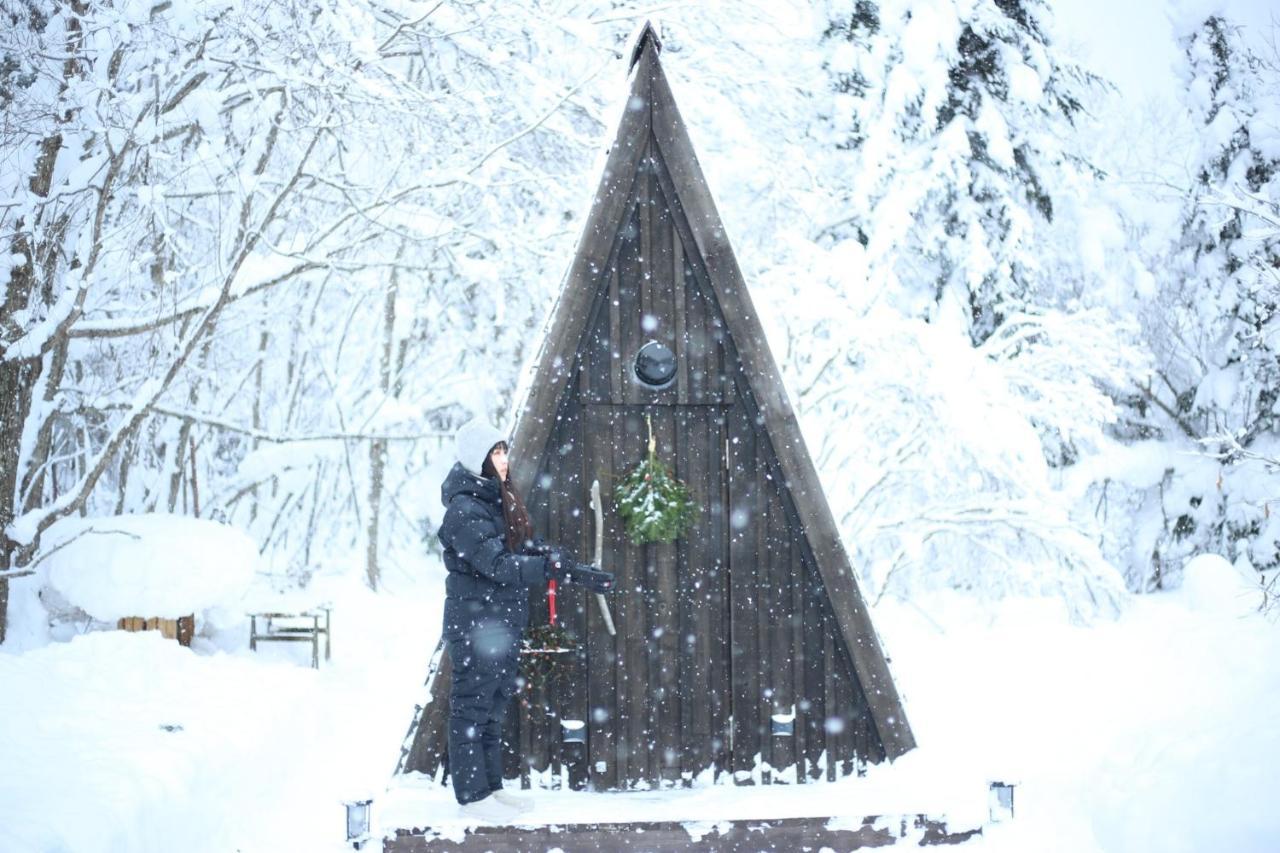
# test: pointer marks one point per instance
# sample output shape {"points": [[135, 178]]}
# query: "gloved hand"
{"points": [[560, 568], [594, 579]]}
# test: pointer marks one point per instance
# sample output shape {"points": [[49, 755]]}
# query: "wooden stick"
{"points": [[598, 506]]}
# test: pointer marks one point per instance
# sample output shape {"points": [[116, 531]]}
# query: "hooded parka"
{"points": [[486, 609], [486, 582]]}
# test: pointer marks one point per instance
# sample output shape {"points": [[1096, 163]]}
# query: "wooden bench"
{"points": [[181, 629], [294, 628]]}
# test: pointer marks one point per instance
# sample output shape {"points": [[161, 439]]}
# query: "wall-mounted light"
{"points": [[358, 822], [573, 731], [784, 725], [1000, 801]]}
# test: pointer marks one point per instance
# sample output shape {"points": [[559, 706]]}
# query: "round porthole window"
{"points": [[655, 365]]}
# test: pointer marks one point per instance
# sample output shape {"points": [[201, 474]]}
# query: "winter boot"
{"points": [[489, 810], [515, 801]]}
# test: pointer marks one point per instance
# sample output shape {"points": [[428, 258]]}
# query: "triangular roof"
{"points": [[651, 110]]}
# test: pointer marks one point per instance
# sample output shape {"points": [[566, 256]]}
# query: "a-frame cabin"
{"points": [[745, 647]]}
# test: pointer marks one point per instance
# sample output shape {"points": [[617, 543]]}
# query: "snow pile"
{"points": [[1211, 584], [148, 565], [1153, 732], [120, 741]]}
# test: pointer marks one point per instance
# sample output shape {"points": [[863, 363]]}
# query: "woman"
{"points": [[493, 559]]}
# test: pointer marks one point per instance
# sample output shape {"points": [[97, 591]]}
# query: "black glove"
{"points": [[561, 568], [596, 580]]}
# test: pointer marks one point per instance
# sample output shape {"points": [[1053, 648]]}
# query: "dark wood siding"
{"points": [[730, 625]]}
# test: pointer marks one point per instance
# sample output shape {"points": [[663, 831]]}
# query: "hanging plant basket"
{"points": [[546, 655], [654, 505]]}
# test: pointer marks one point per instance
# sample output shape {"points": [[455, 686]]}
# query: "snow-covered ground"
{"points": [[1153, 732], [120, 741]]}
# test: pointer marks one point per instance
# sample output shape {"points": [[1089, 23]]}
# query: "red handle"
{"points": [[551, 600]]}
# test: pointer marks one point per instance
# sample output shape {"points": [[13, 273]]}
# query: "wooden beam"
{"points": [[797, 833], [425, 745]]}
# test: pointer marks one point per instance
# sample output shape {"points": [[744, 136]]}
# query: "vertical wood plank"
{"points": [[661, 308], [781, 586], [705, 642], [615, 330], [596, 358], [684, 603], [795, 565], [744, 628], [541, 502], [679, 309], [687, 601], [814, 628], [721, 367], [533, 748], [622, 615], [665, 636], [765, 603], [574, 529], [644, 218], [696, 334], [634, 442], [722, 603], [843, 735], [601, 646], [829, 703], [630, 280]]}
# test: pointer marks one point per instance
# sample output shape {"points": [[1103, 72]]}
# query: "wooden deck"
{"points": [[783, 835]]}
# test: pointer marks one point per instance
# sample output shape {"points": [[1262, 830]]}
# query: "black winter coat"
{"points": [[487, 583]]}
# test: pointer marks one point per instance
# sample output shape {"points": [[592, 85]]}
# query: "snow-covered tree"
{"points": [[1213, 329], [959, 198], [258, 253], [956, 115]]}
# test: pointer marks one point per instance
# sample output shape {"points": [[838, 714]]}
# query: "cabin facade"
{"points": [[745, 646]]}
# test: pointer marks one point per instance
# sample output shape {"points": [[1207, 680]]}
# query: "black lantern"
{"points": [[1000, 801], [573, 731], [784, 725], [358, 822], [655, 365]]}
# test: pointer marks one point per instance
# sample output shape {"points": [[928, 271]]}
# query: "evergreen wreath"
{"points": [[546, 655], [655, 506]]}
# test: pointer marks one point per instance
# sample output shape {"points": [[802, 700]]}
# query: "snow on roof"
{"points": [[154, 565]]}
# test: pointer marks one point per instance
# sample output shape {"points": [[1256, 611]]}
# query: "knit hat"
{"points": [[473, 441]]}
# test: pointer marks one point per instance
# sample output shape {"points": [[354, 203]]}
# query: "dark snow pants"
{"points": [[485, 664]]}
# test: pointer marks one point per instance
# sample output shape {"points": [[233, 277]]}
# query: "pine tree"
{"points": [[1232, 233], [1217, 340], [955, 116], [953, 145]]}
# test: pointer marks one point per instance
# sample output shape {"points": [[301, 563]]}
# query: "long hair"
{"points": [[519, 528]]}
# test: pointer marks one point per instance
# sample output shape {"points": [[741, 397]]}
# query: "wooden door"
{"points": [[657, 691]]}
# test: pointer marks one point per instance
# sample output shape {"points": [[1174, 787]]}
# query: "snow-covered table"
{"points": [[292, 628]]}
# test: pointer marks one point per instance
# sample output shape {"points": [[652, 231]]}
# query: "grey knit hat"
{"points": [[473, 441]]}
